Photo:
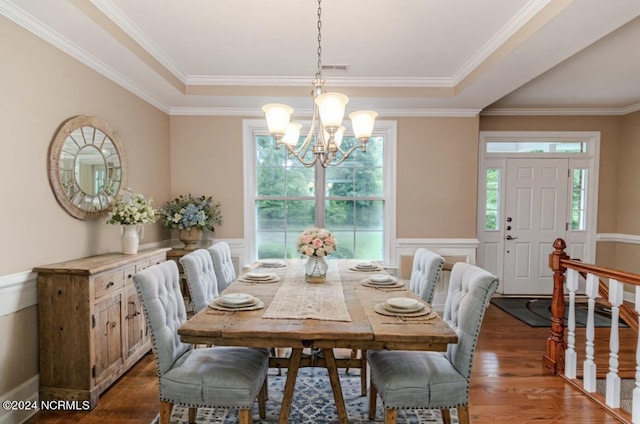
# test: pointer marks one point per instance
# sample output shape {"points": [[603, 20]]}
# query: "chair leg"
{"points": [[165, 412], [463, 414], [373, 399], [192, 415], [244, 416], [446, 416], [390, 416], [363, 372], [262, 398]]}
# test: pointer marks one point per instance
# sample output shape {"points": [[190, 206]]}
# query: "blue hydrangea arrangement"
{"points": [[190, 212]]}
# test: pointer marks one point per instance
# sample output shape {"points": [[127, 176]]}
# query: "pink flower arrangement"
{"points": [[316, 242]]}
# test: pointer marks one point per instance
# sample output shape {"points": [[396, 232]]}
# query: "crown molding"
{"points": [[120, 19], [36, 27], [559, 111], [499, 39], [248, 112], [303, 81]]}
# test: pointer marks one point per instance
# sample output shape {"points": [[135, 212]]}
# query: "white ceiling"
{"points": [[404, 57]]}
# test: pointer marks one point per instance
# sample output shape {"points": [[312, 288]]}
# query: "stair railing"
{"points": [[561, 353]]}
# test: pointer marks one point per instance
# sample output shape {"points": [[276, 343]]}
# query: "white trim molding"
{"points": [[18, 291], [444, 247], [619, 238], [28, 392]]}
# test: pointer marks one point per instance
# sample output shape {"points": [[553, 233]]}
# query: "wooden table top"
{"points": [[367, 330]]}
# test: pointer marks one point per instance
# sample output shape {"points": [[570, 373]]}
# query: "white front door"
{"points": [[536, 206]]}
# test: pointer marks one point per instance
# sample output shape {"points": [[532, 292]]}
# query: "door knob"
{"points": [[511, 238]]}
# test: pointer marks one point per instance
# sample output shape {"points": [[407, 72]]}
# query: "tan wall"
{"points": [[610, 142], [628, 206], [437, 177], [206, 159], [42, 87], [437, 172]]}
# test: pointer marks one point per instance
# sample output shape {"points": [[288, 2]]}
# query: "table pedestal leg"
{"points": [[292, 374], [332, 369]]}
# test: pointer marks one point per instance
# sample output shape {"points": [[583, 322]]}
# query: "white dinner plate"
{"points": [[418, 307], [403, 302], [236, 298], [381, 278], [258, 275], [365, 265]]}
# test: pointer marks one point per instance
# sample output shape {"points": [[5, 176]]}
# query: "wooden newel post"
{"points": [[556, 345]]}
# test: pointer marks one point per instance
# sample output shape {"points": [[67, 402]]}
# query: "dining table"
{"points": [[348, 310]]}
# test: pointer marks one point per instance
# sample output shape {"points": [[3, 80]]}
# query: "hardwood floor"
{"points": [[508, 384]]}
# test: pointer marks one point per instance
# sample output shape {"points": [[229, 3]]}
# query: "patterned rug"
{"points": [[312, 403]]}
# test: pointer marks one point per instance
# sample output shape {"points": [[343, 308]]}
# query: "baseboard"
{"points": [[28, 392]]}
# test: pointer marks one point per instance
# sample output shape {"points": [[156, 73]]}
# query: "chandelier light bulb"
{"points": [[277, 116], [362, 122], [331, 108], [292, 134]]}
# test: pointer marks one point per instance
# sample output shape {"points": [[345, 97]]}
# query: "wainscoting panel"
{"points": [[452, 250]]}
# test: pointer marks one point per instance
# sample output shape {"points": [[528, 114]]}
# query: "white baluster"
{"points": [[635, 408], [616, 290], [570, 356], [589, 364]]}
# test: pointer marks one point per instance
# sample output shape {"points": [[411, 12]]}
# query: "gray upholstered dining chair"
{"points": [[436, 380], [215, 377], [425, 272], [201, 278], [225, 271]]}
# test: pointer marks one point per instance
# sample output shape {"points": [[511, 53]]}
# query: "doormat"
{"points": [[536, 312]]}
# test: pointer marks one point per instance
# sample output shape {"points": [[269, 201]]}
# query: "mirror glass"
{"points": [[87, 169]]}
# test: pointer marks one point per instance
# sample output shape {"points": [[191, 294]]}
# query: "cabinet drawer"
{"points": [[108, 283]]}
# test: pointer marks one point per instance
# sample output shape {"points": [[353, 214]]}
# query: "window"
{"points": [[492, 208], [535, 147], [579, 199], [355, 199]]}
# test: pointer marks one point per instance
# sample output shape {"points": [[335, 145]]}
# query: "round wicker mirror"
{"points": [[86, 166]]}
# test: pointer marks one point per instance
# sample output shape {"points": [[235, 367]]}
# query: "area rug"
{"points": [[536, 312], [312, 403]]}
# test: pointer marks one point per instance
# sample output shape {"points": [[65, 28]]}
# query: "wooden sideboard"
{"points": [[91, 324]]}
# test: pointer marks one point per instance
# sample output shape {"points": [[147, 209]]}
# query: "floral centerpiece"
{"points": [[191, 215], [317, 244], [131, 211]]}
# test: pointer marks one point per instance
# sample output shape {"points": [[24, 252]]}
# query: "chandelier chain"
{"points": [[319, 72]]}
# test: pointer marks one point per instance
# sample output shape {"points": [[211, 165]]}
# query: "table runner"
{"points": [[301, 300]]}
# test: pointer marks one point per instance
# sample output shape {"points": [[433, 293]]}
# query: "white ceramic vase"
{"points": [[130, 238]]}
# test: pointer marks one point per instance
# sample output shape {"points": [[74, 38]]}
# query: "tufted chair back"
{"points": [[163, 304], [201, 278], [470, 290], [222, 264], [425, 273]]}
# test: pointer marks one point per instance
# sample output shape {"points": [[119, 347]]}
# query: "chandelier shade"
{"points": [[278, 116], [325, 135]]}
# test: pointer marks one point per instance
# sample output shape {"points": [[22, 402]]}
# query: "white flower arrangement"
{"points": [[316, 242], [131, 209]]}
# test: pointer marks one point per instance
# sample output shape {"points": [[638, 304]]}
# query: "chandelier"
{"points": [[326, 132]]}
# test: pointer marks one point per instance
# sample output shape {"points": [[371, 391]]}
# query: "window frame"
{"points": [[258, 127]]}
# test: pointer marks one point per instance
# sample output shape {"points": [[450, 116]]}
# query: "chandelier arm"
{"points": [[294, 153], [304, 147]]}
